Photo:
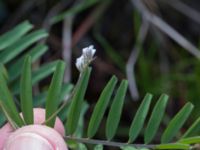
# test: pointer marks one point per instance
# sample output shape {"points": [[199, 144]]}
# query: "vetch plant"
{"points": [[75, 104]]}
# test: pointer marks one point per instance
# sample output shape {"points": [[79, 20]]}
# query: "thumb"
{"points": [[34, 137]]}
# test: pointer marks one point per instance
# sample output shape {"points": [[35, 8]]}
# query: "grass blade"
{"points": [[12, 51], [115, 56], [54, 92], [100, 107], [77, 100], [194, 130], [35, 53], [139, 118], [15, 34], [7, 102], [155, 119], [176, 123], [116, 110], [26, 91]]}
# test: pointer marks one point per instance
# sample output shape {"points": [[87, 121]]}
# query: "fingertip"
{"points": [[38, 137], [39, 118]]}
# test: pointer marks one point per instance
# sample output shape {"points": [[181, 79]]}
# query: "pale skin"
{"points": [[35, 136]]}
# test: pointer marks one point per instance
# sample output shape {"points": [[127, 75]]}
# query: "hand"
{"points": [[33, 137]]}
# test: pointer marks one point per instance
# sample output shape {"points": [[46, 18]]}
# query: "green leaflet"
{"points": [[26, 91], [12, 51], [39, 74], [54, 91], [173, 146], [100, 107], [82, 146], [98, 147], [35, 53], [193, 130], [128, 148], [15, 34], [155, 119], [190, 140], [80, 128], [77, 101], [4, 72], [176, 123], [139, 118], [7, 103], [115, 110]]}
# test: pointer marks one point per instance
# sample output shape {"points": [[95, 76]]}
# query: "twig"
{"points": [[108, 143], [166, 28], [88, 22], [133, 58], [66, 43], [184, 9], [53, 12]]}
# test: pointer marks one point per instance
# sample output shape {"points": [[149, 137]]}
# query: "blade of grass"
{"points": [[77, 100], [116, 110], [176, 123], [110, 51], [26, 91], [54, 92], [16, 48], [139, 118], [100, 107], [155, 119], [15, 34]]}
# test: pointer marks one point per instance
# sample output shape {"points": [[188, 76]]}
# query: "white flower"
{"points": [[88, 52], [80, 63], [85, 59]]}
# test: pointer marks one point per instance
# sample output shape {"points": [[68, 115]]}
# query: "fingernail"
{"points": [[28, 141]]}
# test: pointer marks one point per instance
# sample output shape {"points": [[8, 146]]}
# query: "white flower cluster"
{"points": [[85, 59]]}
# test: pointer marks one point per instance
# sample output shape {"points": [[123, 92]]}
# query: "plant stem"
{"points": [[107, 143]]}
